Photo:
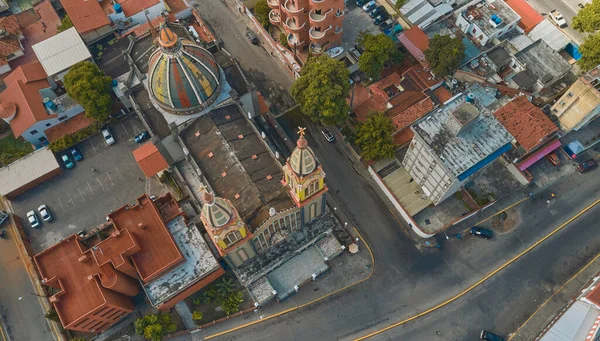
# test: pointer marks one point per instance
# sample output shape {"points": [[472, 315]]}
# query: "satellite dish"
{"points": [[272, 211]]}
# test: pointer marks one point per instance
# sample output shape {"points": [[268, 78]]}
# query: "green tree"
{"points": [[590, 52], [588, 18], [154, 327], [261, 12], [197, 316], [374, 137], [444, 54], [322, 89], [231, 302], [76, 338], [52, 315], [65, 24], [399, 4], [225, 286], [87, 85], [283, 39], [378, 49]]}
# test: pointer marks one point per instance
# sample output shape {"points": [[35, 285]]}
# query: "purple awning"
{"points": [[547, 149]]}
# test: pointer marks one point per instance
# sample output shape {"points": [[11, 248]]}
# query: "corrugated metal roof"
{"points": [[574, 324], [551, 34], [26, 170], [62, 51]]}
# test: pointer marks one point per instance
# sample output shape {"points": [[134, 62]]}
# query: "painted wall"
{"points": [[233, 257], [41, 126], [140, 17]]}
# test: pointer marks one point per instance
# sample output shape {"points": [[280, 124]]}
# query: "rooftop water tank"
{"points": [[498, 20], [49, 104], [494, 17], [117, 8], [114, 83], [470, 97]]}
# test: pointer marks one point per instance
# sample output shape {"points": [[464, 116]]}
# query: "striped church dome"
{"points": [[183, 77]]}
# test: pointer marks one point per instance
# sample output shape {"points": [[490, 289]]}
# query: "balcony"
{"points": [[293, 41], [291, 10], [339, 13], [273, 4], [318, 35], [290, 24], [316, 49], [274, 17], [317, 1], [338, 30], [317, 18]]}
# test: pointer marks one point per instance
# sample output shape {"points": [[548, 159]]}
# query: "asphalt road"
{"points": [[568, 8], [407, 281]]}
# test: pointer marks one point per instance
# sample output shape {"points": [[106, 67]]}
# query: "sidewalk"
{"points": [[559, 301]]}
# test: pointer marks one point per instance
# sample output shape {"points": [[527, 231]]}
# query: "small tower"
{"points": [[305, 179]]}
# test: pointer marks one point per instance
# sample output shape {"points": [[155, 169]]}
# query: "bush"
{"points": [[197, 316], [71, 139], [231, 302], [52, 315], [76, 338], [154, 327]]}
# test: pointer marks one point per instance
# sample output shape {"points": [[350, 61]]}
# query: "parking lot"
{"points": [[80, 198], [356, 20]]}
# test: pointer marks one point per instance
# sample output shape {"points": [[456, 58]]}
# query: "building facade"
{"points": [[309, 24]]}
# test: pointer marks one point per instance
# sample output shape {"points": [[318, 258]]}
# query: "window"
{"points": [[232, 237], [570, 94], [43, 139], [33, 132], [62, 118], [554, 111], [242, 254], [48, 124], [562, 103], [312, 211]]}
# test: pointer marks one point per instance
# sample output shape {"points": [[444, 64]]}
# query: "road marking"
{"points": [[554, 294], [308, 303], [4, 338], [126, 131], [81, 194], [100, 184], [90, 187], [61, 205], [109, 178], [95, 151], [488, 276], [504, 210], [121, 176], [71, 199]]}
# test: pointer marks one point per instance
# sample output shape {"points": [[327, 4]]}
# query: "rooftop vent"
{"points": [[272, 211]]}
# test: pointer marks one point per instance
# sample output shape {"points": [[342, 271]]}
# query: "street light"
{"points": [[31, 293], [446, 234]]}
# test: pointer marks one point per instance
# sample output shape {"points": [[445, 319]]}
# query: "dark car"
{"points": [[587, 165], [377, 11], [76, 154], [481, 232], [328, 135], [144, 135], [381, 18], [489, 336], [252, 37], [361, 3], [386, 25]]}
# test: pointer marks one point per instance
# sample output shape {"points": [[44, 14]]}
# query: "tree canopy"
{"points": [[87, 85], [444, 54], [378, 49], [590, 52], [588, 18], [65, 24], [399, 4], [322, 89], [261, 11], [374, 137], [154, 327]]}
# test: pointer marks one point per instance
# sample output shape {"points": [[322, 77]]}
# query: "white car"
{"points": [[108, 138], [45, 213], [33, 219], [369, 6]]}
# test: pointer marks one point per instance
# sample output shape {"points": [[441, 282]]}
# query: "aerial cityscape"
{"points": [[299, 170]]}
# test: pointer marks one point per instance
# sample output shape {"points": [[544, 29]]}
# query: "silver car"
{"points": [[45, 213], [108, 138], [33, 219]]}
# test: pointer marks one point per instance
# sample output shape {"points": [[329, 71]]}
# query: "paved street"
{"points": [[407, 281], [568, 8]]}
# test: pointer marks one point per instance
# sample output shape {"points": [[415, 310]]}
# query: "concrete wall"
{"points": [[33, 184], [233, 258], [92, 36], [41, 126]]}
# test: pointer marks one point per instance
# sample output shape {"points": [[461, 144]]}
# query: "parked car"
{"points": [[587, 165], [335, 51], [33, 220], [76, 154], [108, 138], [3, 217], [558, 18], [489, 336], [67, 161], [251, 37], [481, 232], [376, 11], [144, 135], [553, 158], [386, 24], [381, 18], [369, 5], [45, 213], [361, 3], [328, 135]]}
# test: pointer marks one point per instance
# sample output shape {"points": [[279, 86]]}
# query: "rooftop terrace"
{"points": [[489, 15]]}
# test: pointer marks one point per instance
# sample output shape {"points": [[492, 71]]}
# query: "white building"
{"points": [[451, 144], [59, 53], [485, 20]]}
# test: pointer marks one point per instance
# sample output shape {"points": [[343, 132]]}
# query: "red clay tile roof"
{"points": [[264, 108], [422, 77], [416, 42], [594, 295], [11, 25], [403, 136], [85, 15], [526, 122], [131, 7], [442, 94], [69, 126], [22, 89], [529, 16], [150, 159], [378, 87]]}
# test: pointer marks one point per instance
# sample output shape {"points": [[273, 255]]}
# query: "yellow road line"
{"points": [[481, 280], [308, 303], [490, 217], [2, 333], [554, 294]]}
